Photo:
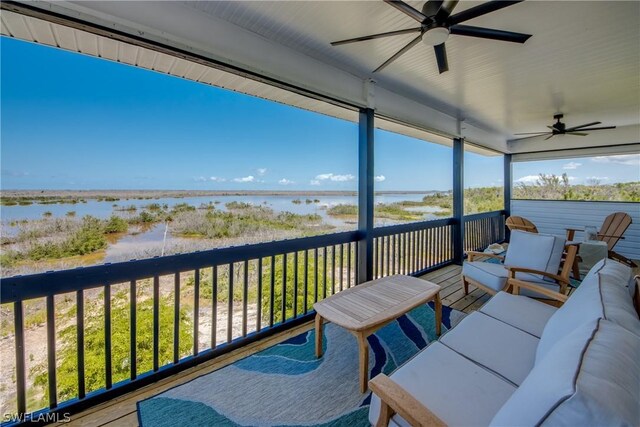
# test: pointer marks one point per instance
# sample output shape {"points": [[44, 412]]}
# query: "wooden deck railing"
{"points": [[284, 279], [412, 248], [483, 229]]}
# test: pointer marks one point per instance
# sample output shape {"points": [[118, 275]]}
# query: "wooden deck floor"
{"points": [[122, 411]]}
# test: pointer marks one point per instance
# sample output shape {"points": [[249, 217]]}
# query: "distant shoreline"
{"points": [[132, 194]]}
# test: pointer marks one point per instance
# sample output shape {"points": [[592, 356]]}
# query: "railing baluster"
{"points": [[414, 238], [176, 317], [324, 272], [230, 305], [404, 253], [80, 339], [18, 317], [133, 336], [107, 338], [333, 270], [272, 289], [388, 254], [283, 309], [376, 246], [382, 257], [259, 298], [315, 274], [214, 307], [156, 322], [355, 267], [305, 292], [349, 264], [196, 312], [341, 266], [393, 253], [245, 296], [295, 284], [51, 352]]}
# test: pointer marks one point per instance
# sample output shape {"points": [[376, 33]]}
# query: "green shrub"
{"points": [[115, 224]]}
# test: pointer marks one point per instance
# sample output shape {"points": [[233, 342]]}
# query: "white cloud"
{"points": [[335, 178], [379, 178], [529, 179], [621, 159], [596, 178], [314, 182], [261, 171], [249, 178], [285, 181], [571, 165], [200, 178], [217, 179]]}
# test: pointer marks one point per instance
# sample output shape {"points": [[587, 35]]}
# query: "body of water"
{"points": [[153, 237]]}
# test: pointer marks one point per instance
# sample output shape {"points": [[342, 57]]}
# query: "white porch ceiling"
{"points": [[583, 60]]}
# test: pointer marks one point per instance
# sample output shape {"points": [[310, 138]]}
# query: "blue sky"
{"points": [[76, 122]]}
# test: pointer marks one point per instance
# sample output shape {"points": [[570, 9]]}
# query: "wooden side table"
{"points": [[365, 308]]}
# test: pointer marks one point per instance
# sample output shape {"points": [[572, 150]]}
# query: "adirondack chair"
{"points": [[611, 232], [520, 223]]}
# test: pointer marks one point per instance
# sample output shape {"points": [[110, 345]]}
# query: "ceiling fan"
{"points": [[559, 128], [437, 23]]}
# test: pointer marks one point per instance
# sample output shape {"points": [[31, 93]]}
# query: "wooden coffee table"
{"points": [[365, 308]]}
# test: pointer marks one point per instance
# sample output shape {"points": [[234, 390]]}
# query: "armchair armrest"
{"points": [[474, 254], [517, 284], [571, 232], [610, 235], [395, 399], [514, 270]]}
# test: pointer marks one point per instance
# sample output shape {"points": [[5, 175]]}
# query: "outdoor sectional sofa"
{"points": [[520, 362]]}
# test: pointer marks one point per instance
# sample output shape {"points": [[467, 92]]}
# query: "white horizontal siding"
{"points": [[554, 217]]}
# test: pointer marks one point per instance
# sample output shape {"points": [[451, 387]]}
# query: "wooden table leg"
{"points": [[318, 336], [438, 310], [363, 349]]}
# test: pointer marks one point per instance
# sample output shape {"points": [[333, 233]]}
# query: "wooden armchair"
{"points": [[533, 258], [611, 232], [520, 223]]}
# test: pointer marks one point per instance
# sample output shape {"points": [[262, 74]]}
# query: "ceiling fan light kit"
{"points": [[435, 36], [437, 23]]}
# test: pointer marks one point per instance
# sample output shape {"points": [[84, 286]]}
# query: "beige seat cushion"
{"points": [[498, 346], [518, 311], [458, 391]]}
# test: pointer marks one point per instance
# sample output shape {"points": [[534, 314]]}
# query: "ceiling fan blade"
{"points": [[549, 137], [445, 10], [531, 133], [600, 128], [408, 10], [583, 126], [398, 54], [480, 10], [489, 33], [441, 57], [577, 133], [377, 36], [532, 136]]}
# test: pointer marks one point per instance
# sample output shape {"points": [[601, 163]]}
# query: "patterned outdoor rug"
{"points": [[285, 385]]}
